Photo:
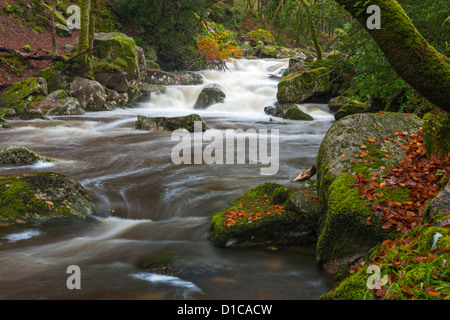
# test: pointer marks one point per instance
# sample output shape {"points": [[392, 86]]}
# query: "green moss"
{"points": [[427, 238], [299, 86], [349, 108], [274, 228], [120, 50], [294, 113], [351, 288], [24, 94], [261, 35], [345, 232], [26, 48]]}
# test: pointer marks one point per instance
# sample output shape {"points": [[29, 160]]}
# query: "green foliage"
{"points": [[169, 26], [436, 133]]}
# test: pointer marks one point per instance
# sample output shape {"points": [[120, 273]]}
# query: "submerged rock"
{"points": [[168, 123], [294, 113], [209, 95], [43, 196], [21, 155], [259, 218]]}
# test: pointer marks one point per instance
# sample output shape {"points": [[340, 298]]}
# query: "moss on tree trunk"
{"points": [[417, 62]]}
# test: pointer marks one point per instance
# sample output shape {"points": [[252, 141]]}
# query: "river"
{"points": [[153, 209]]}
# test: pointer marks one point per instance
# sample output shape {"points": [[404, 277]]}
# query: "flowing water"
{"points": [[153, 210]]}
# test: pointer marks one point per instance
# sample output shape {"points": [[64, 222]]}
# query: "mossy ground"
{"points": [[274, 225], [415, 266]]}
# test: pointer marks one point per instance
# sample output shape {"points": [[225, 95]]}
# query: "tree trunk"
{"points": [[93, 4], [414, 60], [83, 36], [313, 31], [54, 49]]}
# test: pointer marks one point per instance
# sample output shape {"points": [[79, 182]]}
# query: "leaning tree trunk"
{"points": [[414, 60]]}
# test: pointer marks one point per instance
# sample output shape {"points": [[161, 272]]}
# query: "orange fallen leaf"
{"points": [[343, 156], [364, 147], [371, 140]]}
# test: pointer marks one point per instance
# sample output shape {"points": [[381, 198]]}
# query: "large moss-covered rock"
{"points": [[42, 196], [209, 95], [21, 155], [169, 123], [302, 85], [274, 224], [119, 48], [23, 94], [344, 233]]}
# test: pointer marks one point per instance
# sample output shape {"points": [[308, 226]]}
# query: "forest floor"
{"points": [[14, 34]]}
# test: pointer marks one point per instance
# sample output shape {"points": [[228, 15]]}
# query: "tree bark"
{"points": [[313, 31], [83, 36], [414, 60]]}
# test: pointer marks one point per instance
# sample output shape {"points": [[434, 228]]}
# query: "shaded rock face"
{"points": [[113, 80], [440, 207], [344, 232], [210, 95], [168, 124], [43, 196], [21, 155], [90, 94]]}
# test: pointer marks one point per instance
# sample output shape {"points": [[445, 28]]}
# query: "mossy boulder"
{"points": [[299, 86], [21, 155], [119, 49], [278, 52], [294, 113], [169, 123], [438, 211], [210, 95], [56, 79], [261, 35], [23, 94], [350, 107], [273, 225], [43, 196], [344, 233]]}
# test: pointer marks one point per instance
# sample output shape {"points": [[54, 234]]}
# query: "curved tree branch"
{"points": [[414, 60]]}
